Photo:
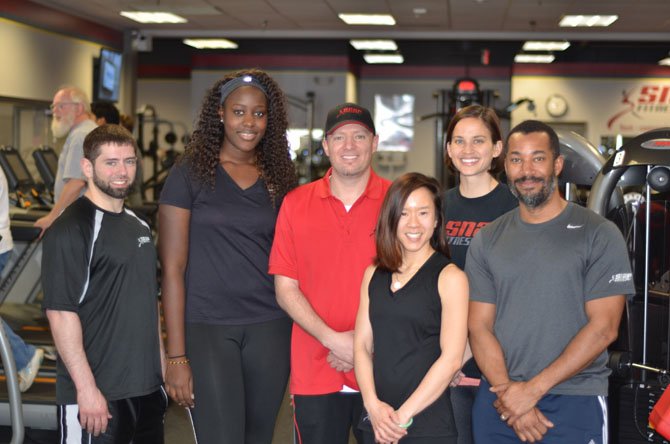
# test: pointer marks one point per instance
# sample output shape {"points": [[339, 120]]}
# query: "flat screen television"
{"points": [[108, 76]]}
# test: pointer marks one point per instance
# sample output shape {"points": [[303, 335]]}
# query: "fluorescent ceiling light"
{"points": [[383, 58], [665, 61], [587, 20], [210, 43], [545, 46], [534, 58], [374, 45], [367, 19], [153, 17]]}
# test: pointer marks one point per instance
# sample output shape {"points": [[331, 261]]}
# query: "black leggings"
{"points": [[239, 379]]}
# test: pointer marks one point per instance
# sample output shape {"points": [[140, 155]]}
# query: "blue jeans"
{"points": [[22, 352]]}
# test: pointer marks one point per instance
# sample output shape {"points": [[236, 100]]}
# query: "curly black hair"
{"points": [[272, 153]]}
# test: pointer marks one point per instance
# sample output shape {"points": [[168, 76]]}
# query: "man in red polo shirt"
{"points": [[323, 242]]}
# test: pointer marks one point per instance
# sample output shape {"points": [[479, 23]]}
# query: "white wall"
{"points": [[608, 106], [35, 63]]}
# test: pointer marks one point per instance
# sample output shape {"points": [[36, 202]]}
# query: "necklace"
{"points": [[397, 283], [395, 277]]}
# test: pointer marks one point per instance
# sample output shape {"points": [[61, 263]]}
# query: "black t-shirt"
{"points": [[464, 216], [230, 237], [102, 266], [406, 335]]}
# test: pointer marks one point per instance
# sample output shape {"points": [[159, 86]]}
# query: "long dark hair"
{"points": [[272, 153], [389, 253]]}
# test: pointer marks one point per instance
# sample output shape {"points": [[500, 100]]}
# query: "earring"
{"points": [[221, 120]]}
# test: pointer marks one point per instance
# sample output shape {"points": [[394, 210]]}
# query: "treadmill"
{"points": [[19, 289]]}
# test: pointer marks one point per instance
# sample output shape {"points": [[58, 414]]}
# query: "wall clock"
{"points": [[556, 105]]}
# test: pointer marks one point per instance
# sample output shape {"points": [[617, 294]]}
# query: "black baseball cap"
{"points": [[349, 113]]}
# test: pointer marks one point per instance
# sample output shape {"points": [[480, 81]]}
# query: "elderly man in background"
{"points": [[71, 110]]}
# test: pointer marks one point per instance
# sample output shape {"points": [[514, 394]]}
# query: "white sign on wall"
{"points": [[605, 106], [643, 107]]}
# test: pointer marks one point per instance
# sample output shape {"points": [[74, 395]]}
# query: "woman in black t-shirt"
{"points": [[413, 314], [228, 342], [474, 149]]}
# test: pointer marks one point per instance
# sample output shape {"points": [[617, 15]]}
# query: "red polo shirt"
{"points": [[326, 249]]}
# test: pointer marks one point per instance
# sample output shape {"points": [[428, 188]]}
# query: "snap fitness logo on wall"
{"points": [[648, 104]]}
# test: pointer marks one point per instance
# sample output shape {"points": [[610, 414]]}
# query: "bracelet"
{"points": [[407, 424], [181, 361], [175, 357]]}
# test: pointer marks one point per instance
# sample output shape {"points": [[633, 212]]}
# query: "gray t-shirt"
{"points": [[540, 276], [69, 166]]}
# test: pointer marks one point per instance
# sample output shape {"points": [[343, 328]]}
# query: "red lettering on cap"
{"points": [[348, 110]]}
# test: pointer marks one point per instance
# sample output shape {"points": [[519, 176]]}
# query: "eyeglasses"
{"points": [[61, 105]]}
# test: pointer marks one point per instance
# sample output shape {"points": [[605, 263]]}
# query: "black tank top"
{"points": [[406, 331]]}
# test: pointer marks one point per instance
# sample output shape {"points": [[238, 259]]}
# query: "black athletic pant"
{"points": [[239, 378], [327, 419], [136, 420]]}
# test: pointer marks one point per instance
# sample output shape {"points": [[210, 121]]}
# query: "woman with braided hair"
{"points": [[228, 342]]}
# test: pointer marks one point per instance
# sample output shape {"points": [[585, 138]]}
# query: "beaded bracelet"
{"points": [[181, 361], [407, 424]]}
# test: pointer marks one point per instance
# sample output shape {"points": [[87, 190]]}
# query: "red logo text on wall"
{"points": [[642, 109]]}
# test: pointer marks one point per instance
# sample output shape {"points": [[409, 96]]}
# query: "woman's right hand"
{"points": [[179, 384], [382, 416]]}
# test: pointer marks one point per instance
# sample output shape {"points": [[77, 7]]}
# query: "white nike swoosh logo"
{"points": [[572, 227]]}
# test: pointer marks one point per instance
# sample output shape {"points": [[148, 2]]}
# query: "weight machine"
{"points": [[643, 345]]}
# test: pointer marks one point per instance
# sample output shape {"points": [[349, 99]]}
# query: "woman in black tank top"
{"points": [[412, 321]]}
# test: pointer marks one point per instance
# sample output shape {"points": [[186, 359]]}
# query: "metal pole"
{"points": [[309, 109], [439, 136], [15, 406], [646, 269]]}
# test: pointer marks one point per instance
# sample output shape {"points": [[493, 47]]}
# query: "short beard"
{"points": [[533, 201], [116, 193]]}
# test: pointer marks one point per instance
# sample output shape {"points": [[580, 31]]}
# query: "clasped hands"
{"points": [[341, 354], [516, 405], [387, 423]]}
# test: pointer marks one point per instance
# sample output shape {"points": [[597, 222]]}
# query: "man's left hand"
{"points": [[338, 364], [515, 399]]}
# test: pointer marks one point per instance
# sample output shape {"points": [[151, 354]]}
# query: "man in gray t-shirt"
{"points": [[71, 117], [547, 286]]}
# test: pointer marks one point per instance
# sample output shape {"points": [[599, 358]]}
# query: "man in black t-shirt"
{"points": [[100, 296]]}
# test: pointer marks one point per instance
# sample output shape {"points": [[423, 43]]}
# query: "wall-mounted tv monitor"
{"points": [[108, 76]]}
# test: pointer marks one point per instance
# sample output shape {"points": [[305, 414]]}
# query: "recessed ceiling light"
{"points": [[534, 58], [374, 45], [210, 43], [665, 61], [587, 20], [545, 46], [383, 58], [367, 19], [153, 17]]}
